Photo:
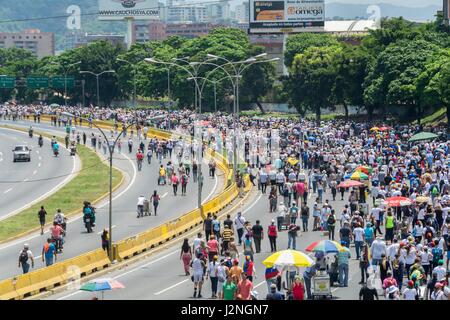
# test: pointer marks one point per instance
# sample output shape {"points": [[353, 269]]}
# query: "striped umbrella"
{"points": [[288, 258], [326, 246], [357, 175], [364, 169], [349, 184], [102, 285], [398, 201]]}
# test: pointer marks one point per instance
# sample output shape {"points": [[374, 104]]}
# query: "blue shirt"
{"points": [[50, 252], [343, 257]]}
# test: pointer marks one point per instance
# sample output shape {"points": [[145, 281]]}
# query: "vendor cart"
{"points": [[283, 222], [321, 286]]}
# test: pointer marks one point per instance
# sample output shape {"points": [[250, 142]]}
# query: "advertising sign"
{"points": [[279, 15], [121, 9]]}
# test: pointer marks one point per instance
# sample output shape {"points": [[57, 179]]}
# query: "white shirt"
{"points": [[239, 222], [376, 213], [141, 201], [410, 294], [392, 251], [378, 248], [440, 271], [359, 234]]}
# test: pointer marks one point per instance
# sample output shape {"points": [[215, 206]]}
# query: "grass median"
{"points": [[90, 183]]}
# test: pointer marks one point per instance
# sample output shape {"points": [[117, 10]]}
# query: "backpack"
{"points": [[434, 191], [331, 220], [23, 256], [368, 233], [437, 255], [216, 226]]}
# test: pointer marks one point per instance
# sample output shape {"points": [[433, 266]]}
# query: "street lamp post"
{"points": [[97, 75], [195, 66], [238, 67], [111, 147], [66, 70], [134, 79]]}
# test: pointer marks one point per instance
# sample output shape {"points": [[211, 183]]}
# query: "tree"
{"points": [[311, 80], [392, 79], [434, 83], [299, 43], [350, 65]]}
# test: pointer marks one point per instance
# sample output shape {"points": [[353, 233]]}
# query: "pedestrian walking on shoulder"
{"points": [[272, 234], [25, 256], [258, 235], [155, 200], [239, 221], [41, 214], [49, 253], [105, 241]]}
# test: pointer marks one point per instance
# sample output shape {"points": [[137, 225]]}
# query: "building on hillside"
{"points": [[218, 12], [186, 13], [42, 44]]}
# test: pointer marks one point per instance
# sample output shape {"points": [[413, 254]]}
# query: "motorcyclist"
{"points": [[60, 219], [56, 149], [40, 141], [57, 233], [88, 211]]}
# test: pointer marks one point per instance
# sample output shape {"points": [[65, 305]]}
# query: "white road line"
{"points": [[34, 172], [164, 195], [259, 284], [40, 158], [37, 151], [102, 230], [128, 272], [25, 180], [39, 165], [171, 287], [8, 190], [213, 189], [77, 218], [253, 204], [1, 156]]}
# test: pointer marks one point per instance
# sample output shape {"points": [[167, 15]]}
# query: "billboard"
{"points": [[121, 9], [280, 15]]}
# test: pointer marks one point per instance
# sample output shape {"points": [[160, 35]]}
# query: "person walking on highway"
{"points": [[84, 138], [24, 256], [198, 266], [343, 258], [239, 222], [272, 234], [175, 182], [155, 198], [139, 159], [186, 255], [305, 217], [258, 235], [140, 206], [41, 214], [49, 253], [248, 246], [292, 236], [130, 145], [105, 241], [184, 181], [245, 287], [229, 289], [207, 226], [213, 274]]}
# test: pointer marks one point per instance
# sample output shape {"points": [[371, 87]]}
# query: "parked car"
{"points": [[22, 153]]}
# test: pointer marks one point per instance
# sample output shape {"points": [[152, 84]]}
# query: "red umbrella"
{"points": [[349, 184], [384, 128], [398, 201]]}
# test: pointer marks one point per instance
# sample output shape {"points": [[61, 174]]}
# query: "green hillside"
{"points": [[42, 9]]}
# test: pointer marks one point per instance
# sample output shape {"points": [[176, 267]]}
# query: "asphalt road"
{"points": [[125, 223], [162, 276], [22, 183]]}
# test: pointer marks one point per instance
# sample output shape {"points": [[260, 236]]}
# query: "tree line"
{"points": [[400, 64]]}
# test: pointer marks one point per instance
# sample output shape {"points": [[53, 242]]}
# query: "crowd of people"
{"points": [[404, 243]]}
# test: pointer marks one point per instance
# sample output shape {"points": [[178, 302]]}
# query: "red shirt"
{"points": [[298, 291], [245, 289], [140, 156]]}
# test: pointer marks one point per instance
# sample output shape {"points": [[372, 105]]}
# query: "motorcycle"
{"points": [[88, 224]]}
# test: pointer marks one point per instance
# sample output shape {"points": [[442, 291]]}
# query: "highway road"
{"points": [[125, 223], [161, 276], [24, 183]]}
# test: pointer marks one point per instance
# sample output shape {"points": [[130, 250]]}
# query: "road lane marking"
{"points": [[164, 195], [39, 165], [25, 180], [259, 284], [106, 228], [126, 273], [37, 151], [171, 287], [8, 190], [34, 172], [213, 189], [253, 204]]}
